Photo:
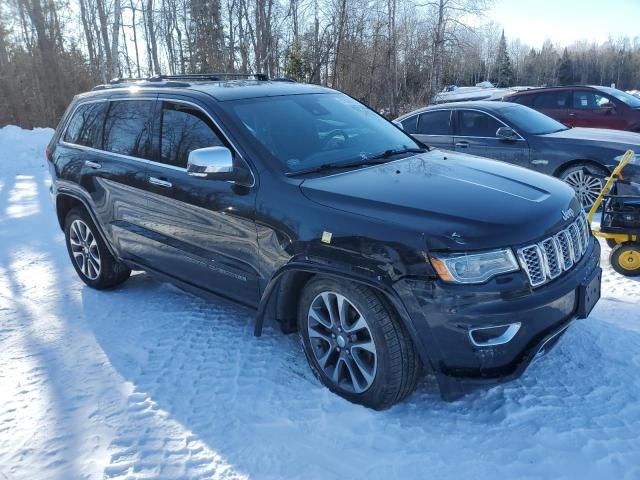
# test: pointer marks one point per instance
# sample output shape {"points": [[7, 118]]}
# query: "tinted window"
{"points": [[308, 130], [532, 122], [85, 125], [584, 100], [184, 129], [409, 124], [435, 123], [128, 128], [550, 100], [477, 124], [523, 100]]}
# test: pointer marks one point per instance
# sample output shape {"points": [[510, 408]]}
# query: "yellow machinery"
{"points": [[620, 223]]}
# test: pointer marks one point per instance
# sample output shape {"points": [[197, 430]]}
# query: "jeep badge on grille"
{"points": [[567, 214]]}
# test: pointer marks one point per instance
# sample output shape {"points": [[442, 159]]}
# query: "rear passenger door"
{"points": [[434, 128], [112, 137], [554, 104], [476, 135], [203, 230]]}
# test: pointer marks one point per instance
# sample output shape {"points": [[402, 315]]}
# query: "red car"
{"points": [[584, 106]]}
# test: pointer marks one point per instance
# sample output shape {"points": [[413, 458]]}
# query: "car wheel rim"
{"points": [[586, 186], [342, 343], [630, 260], [84, 249]]}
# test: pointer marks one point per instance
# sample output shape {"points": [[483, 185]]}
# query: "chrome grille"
{"points": [[552, 256]]}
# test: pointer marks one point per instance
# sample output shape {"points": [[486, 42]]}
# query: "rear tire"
{"points": [[89, 255], [625, 259], [355, 343], [587, 181]]}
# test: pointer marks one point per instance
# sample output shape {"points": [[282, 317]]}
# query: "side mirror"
{"points": [[214, 163], [507, 133], [398, 124]]}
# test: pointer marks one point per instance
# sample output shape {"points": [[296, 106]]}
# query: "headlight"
{"points": [[474, 267]]}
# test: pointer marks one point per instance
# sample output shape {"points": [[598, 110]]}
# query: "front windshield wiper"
{"points": [[375, 159]]}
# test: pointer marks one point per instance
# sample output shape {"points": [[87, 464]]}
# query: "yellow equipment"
{"points": [[622, 236]]}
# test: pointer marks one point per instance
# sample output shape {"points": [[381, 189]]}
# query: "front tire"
{"points": [[587, 181], [89, 255], [355, 344]]}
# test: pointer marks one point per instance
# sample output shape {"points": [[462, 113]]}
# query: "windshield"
{"points": [[624, 97], [532, 122], [306, 131]]}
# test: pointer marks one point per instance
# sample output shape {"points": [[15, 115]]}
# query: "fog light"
{"points": [[491, 336]]}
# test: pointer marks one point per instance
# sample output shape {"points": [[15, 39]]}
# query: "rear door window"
{"points": [[477, 124], [184, 128], [85, 125], [128, 128], [409, 124], [435, 123], [551, 100]]}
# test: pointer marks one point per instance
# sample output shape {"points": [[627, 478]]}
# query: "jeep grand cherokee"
{"points": [[387, 257]]}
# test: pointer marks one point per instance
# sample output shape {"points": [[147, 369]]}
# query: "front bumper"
{"points": [[443, 315]]}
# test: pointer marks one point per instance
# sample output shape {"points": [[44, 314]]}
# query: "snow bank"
{"points": [[145, 381], [22, 150]]}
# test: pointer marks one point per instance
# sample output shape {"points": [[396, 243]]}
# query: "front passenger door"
{"points": [[476, 135], [204, 229]]}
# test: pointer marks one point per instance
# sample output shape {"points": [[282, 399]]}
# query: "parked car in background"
{"points": [[301, 202], [584, 106], [513, 133]]}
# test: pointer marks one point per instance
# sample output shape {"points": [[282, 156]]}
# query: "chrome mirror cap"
{"points": [[398, 124], [210, 162]]}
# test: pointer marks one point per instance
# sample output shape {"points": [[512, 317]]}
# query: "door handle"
{"points": [[572, 114], [91, 164], [462, 144], [160, 182]]}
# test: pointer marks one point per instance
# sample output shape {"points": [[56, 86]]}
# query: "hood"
{"points": [[618, 139], [456, 201]]}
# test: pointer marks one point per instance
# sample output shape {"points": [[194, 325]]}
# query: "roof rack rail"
{"points": [[207, 76], [170, 80]]}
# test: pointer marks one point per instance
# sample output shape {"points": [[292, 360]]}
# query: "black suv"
{"points": [[388, 258]]}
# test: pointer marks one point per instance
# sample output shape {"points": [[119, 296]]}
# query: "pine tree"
{"points": [[504, 70], [565, 69]]}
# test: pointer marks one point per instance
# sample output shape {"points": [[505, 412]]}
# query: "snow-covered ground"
{"points": [[148, 382]]}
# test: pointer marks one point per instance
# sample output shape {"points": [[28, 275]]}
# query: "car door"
{"points": [[203, 230], [596, 110], [113, 169], [555, 104], [475, 133], [434, 128]]}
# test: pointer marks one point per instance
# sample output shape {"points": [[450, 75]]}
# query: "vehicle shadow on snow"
{"points": [[254, 400]]}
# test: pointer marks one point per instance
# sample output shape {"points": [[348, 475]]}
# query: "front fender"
{"points": [[376, 282]]}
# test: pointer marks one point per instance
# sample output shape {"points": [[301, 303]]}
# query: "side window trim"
{"points": [[460, 110], [156, 132]]}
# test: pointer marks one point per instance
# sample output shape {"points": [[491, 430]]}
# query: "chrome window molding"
{"points": [[144, 160]]}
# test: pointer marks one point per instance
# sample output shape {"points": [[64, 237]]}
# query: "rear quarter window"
{"points": [[85, 126]]}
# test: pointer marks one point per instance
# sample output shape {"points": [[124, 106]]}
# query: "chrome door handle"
{"points": [[91, 164], [572, 115], [462, 144], [160, 182]]}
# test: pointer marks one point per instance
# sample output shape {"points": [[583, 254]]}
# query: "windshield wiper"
{"points": [[393, 152], [375, 159]]}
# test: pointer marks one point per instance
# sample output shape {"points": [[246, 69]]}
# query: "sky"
{"points": [[565, 21]]}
